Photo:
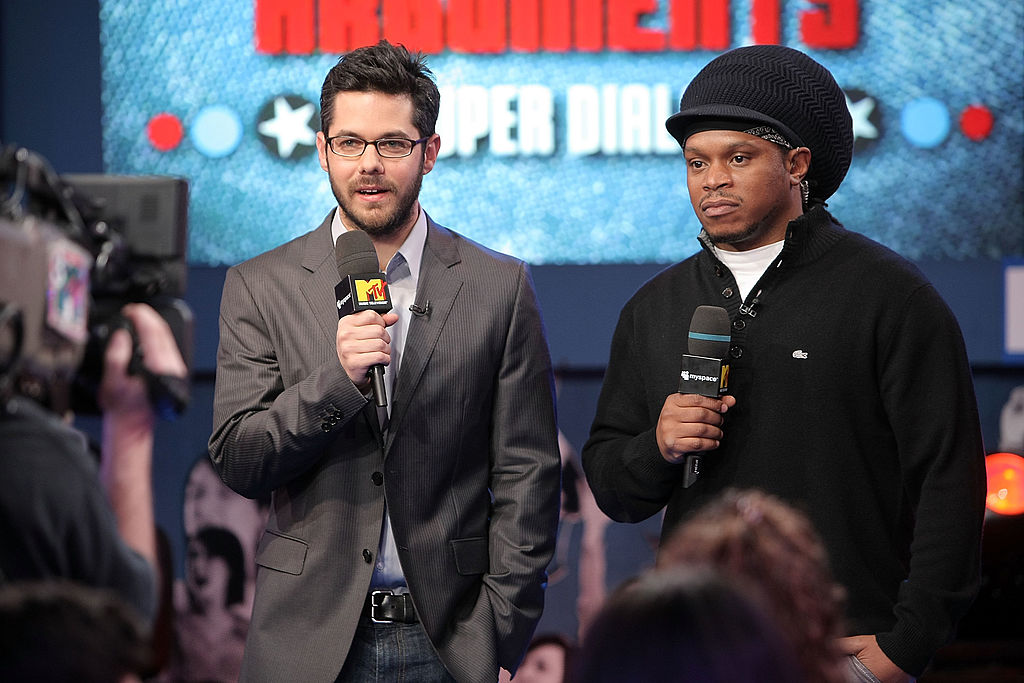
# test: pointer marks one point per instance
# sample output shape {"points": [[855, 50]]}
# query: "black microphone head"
{"points": [[709, 332], [354, 254]]}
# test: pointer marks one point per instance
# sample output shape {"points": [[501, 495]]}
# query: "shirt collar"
{"points": [[411, 249]]}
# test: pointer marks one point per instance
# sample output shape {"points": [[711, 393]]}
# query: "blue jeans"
{"points": [[392, 653]]}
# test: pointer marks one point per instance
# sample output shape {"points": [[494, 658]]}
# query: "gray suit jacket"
{"points": [[470, 469]]}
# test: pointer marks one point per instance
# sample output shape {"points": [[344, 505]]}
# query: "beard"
{"points": [[377, 221], [737, 236]]}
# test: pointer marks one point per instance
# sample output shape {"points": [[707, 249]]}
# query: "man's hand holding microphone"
{"points": [[691, 419]]}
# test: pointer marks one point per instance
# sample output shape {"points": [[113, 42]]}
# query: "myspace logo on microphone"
{"points": [[686, 376]]}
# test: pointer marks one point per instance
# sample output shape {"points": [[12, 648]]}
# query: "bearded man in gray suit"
{"points": [[413, 541]]}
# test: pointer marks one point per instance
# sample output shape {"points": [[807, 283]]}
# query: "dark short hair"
{"points": [[685, 625], [222, 543], [384, 68], [56, 630]]}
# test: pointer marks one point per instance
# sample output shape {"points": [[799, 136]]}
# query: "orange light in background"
{"points": [[1005, 472]]}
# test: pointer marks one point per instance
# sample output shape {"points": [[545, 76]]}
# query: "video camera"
{"points": [[75, 249]]}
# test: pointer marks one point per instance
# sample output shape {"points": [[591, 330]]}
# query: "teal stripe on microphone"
{"points": [[711, 337]]}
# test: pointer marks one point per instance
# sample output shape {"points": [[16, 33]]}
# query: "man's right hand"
{"points": [[122, 392], [865, 648], [690, 423], [363, 341]]}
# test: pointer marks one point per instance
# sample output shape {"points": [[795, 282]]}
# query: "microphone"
{"points": [[418, 310], [705, 370], [362, 288]]}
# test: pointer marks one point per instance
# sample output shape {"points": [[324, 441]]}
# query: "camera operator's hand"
{"points": [[126, 467], [122, 392]]}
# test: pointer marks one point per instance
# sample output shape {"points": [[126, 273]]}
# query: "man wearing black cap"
{"points": [[850, 391]]}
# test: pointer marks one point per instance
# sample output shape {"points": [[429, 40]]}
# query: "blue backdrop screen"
{"points": [[552, 121]]}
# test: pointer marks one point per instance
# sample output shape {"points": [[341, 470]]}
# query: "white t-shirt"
{"points": [[748, 266]]}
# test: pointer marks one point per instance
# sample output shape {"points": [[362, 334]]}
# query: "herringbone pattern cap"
{"points": [[783, 88]]}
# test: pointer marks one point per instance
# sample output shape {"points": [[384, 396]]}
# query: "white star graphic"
{"points": [[860, 111], [289, 126]]}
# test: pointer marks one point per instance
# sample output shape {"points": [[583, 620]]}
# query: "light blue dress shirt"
{"points": [[402, 275]]}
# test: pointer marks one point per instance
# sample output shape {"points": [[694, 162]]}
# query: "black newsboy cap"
{"points": [[780, 87]]}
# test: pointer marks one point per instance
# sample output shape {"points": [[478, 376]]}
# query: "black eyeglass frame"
{"points": [[375, 143]]}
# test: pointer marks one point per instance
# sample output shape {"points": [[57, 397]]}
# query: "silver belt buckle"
{"points": [[377, 600]]}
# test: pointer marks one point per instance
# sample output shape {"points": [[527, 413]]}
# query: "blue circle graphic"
{"points": [[216, 131], [925, 122]]}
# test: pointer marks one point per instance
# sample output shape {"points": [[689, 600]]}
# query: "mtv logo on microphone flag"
{"points": [[371, 290], [366, 292]]}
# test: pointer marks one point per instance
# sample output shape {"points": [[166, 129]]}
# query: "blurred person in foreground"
{"points": [[688, 626], [407, 539], [62, 514], [850, 391], [758, 539], [57, 631]]}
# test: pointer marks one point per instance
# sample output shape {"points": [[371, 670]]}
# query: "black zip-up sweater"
{"points": [[855, 403]]}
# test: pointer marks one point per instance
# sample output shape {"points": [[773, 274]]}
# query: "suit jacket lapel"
{"points": [[439, 284], [318, 288]]}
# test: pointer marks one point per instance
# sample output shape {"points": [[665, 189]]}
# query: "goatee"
{"points": [[380, 222]]}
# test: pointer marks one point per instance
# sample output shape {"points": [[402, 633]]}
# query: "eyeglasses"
{"points": [[389, 148]]}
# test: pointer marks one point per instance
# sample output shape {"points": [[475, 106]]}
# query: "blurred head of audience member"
{"points": [[548, 659], [685, 625], [759, 539], [62, 631]]}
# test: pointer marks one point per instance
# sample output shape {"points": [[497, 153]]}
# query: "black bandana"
{"points": [[758, 130]]}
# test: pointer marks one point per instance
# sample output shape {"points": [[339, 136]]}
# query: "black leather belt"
{"points": [[389, 607]]}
